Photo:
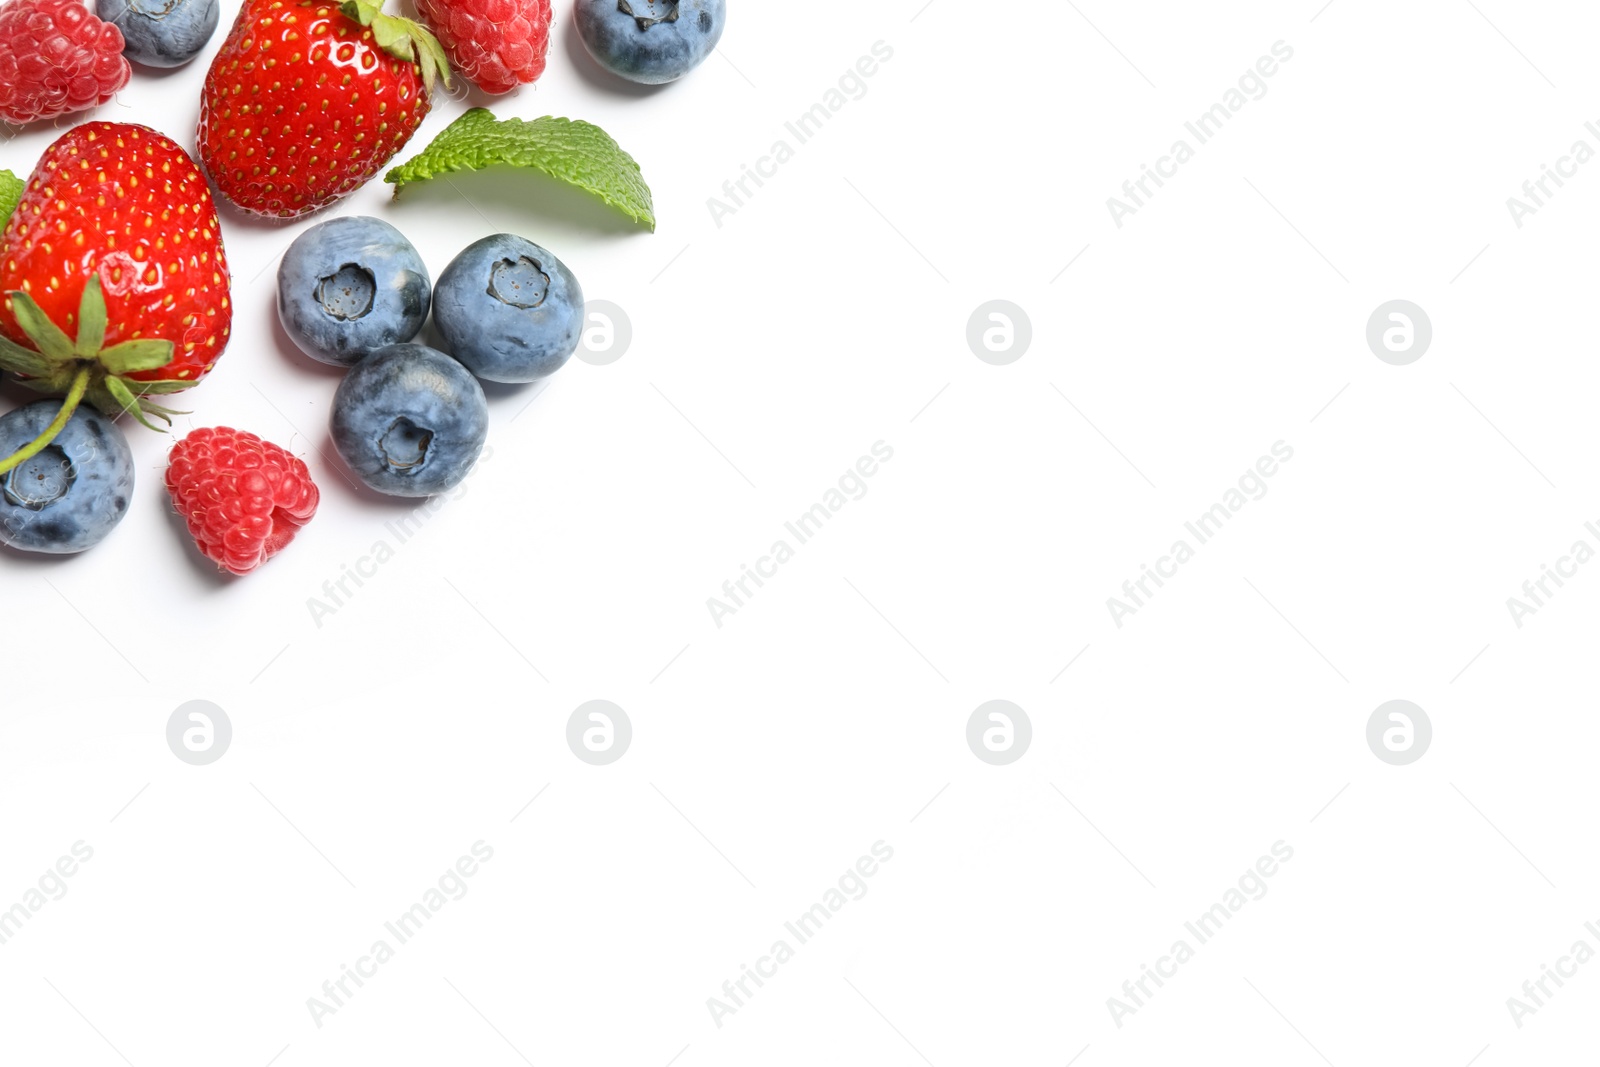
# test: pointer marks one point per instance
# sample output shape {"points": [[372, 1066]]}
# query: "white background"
{"points": [[768, 754]]}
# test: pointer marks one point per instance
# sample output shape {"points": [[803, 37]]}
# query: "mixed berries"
{"points": [[115, 290]]}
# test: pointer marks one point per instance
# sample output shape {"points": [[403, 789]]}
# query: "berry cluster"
{"points": [[114, 285], [408, 419], [145, 297]]}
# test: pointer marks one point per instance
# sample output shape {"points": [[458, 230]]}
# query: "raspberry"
{"points": [[243, 498], [56, 58], [494, 44]]}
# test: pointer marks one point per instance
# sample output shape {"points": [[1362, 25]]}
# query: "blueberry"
{"points": [[509, 310], [410, 421], [350, 285], [162, 33], [650, 41], [70, 495]]}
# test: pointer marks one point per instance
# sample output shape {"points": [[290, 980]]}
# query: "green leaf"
{"points": [[91, 318], [130, 357], [11, 188], [54, 344], [572, 151]]}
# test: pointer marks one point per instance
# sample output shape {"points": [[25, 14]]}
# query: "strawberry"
{"points": [[114, 280], [308, 99]]}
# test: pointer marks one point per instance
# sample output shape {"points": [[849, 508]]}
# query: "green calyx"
{"points": [[403, 39], [82, 368]]}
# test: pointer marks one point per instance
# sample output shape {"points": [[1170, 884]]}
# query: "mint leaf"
{"points": [[11, 188], [572, 151]]}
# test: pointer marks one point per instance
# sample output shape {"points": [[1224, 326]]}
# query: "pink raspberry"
{"points": [[243, 498], [56, 58], [495, 44]]}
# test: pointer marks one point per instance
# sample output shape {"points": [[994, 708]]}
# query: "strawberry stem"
{"points": [[80, 385]]}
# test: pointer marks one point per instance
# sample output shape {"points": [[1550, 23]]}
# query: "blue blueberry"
{"points": [[162, 33], [349, 286], [651, 41], [410, 421], [70, 495], [509, 310]]}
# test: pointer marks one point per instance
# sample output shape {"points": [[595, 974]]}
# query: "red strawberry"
{"points": [[112, 270], [495, 44], [307, 100], [243, 498], [56, 58]]}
